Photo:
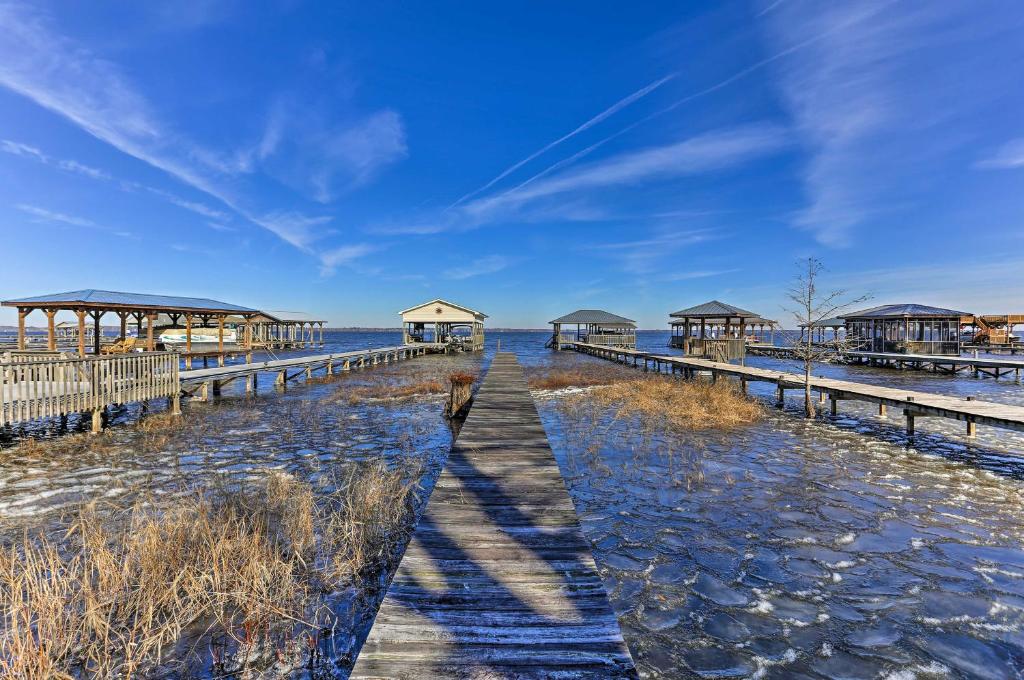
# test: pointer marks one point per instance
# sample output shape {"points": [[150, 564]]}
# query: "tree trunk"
{"points": [[808, 403]]}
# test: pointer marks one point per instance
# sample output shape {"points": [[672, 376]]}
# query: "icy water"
{"points": [[828, 549]]}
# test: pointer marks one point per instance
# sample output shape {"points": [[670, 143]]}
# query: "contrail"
{"points": [[614, 108]]}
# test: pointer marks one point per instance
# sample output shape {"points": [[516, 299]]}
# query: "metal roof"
{"points": [[827, 323], [714, 308], [107, 298], [755, 320], [279, 315], [902, 310], [598, 316]]}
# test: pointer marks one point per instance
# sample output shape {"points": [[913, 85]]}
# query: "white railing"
{"points": [[611, 340], [34, 389]]}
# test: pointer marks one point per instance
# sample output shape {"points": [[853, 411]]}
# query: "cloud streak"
{"points": [[490, 264], [610, 111], [1009, 156]]}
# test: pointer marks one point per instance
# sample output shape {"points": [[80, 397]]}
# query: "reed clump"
{"points": [[127, 590], [662, 402], [582, 375]]}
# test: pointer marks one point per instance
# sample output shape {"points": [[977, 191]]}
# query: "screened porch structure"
{"points": [[905, 329], [594, 326], [444, 323], [819, 329]]}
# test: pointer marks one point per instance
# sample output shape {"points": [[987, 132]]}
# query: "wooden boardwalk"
{"points": [[914, 404], [498, 580]]}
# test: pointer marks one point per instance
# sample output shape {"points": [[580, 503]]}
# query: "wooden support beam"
{"points": [[81, 332], [881, 410], [150, 340], [51, 331], [22, 313]]}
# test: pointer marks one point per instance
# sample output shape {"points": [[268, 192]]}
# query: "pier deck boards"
{"points": [[498, 580], [991, 366], [914, 404]]}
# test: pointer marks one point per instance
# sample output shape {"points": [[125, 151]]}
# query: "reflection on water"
{"points": [[831, 549]]}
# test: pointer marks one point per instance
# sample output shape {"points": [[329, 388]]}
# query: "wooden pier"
{"points": [[498, 580], [201, 382], [990, 366], [912, 404]]}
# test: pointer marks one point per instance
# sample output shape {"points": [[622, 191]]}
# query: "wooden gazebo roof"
{"points": [[904, 311]]}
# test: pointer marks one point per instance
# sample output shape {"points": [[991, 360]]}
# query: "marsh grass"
{"points": [[666, 403], [126, 590], [581, 375]]}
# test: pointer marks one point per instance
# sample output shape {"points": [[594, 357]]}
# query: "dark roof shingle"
{"points": [[714, 308], [594, 316]]}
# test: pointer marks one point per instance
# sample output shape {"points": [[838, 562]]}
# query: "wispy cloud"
{"points": [[1010, 155], [880, 101], [610, 111], [704, 153], [45, 215], [26, 151], [485, 265], [331, 259], [93, 93]]}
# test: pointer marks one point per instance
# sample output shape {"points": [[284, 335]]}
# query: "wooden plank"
{"points": [[498, 580]]}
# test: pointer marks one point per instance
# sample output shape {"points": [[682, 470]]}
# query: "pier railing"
{"points": [[35, 388], [610, 339]]}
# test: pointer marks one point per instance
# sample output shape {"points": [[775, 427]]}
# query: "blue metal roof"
{"points": [[901, 310], [98, 298]]}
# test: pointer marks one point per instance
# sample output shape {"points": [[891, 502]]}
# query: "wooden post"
{"points": [[220, 334], [834, 405], [96, 332], [282, 378], [881, 410], [81, 332], [22, 313], [97, 421], [780, 394], [124, 325], [971, 428], [910, 421], [188, 341], [330, 367], [150, 340], [176, 404], [204, 391], [51, 331]]}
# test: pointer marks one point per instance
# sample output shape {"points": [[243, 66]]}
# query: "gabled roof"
{"points": [[902, 310], [597, 316], [714, 308], [113, 299], [450, 304]]}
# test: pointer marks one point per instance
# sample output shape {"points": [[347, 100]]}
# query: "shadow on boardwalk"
{"points": [[498, 580]]}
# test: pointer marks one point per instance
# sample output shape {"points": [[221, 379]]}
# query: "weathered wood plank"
{"points": [[498, 580]]}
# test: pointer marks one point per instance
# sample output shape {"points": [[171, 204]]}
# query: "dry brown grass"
{"points": [[391, 392], [662, 402], [583, 375], [118, 594]]}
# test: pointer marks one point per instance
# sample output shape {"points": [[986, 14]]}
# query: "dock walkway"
{"points": [[994, 367], [498, 580], [913, 404]]}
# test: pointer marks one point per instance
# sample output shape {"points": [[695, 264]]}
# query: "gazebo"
{"points": [[713, 329], [906, 328], [594, 326], [443, 318], [285, 329], [819, 328]]}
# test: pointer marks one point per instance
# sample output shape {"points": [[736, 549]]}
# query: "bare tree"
{"points": [[811, 307]]}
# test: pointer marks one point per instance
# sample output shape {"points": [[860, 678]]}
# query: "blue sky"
{"points": [[525, 159]]}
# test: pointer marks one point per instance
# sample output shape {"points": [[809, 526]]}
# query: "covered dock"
{"points": [[439, 322], [906, 328], [819, 329], [714, 330], [594, 326], [138, 308], [279, 329]]}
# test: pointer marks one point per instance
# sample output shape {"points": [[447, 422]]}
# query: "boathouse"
{"points": [[94, 304], [714, 330], [444, 323], [278, 329], [905, 329], [594, 326]]}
